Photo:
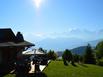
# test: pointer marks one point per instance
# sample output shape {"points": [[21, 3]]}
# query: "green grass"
{"points": [[10, 75], [57, 69]]}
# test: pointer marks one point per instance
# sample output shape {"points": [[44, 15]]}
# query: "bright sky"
{"points": [[37, 19]]}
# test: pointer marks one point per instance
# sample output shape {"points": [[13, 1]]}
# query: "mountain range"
{"points": [[78, 50], [60, 44]]}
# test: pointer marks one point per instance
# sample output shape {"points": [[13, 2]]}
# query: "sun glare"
{"points": [[37, 3]]}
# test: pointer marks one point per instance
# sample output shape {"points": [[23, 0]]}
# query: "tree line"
{"points": [[91, 55]]}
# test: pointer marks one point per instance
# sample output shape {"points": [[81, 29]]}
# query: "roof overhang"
{"points": [[13, 44]]}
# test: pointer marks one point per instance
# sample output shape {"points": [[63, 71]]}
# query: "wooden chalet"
{"points": [[10, 46]]}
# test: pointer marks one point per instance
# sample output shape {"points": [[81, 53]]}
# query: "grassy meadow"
{"points": [[57, 69]]}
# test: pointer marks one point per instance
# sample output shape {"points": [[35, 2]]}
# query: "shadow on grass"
{"points": [[71, 64], [83, 65], [4, 71], [74, 65], [40, 74]]}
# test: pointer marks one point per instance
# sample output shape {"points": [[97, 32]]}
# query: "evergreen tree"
{"points": [[81, 59], [52, 55], [76, 57], [42, 50], [89, 56], [99, 53], [99, 50], [67, 56]]}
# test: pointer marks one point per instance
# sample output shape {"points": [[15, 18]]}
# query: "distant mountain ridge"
{"points": [[79, 50], [60, 44], [94, 42]]}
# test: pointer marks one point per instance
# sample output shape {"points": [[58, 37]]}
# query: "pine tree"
{"points": [[89, 56], [99, 50], [67, 56], [76, 58], [52, 55]]}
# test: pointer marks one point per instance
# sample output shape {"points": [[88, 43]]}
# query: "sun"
{"points": [[37, 3]]}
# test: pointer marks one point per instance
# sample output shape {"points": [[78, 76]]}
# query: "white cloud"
{"points": [[39, 34], [32, 36], [71, 33], [72, 29]]}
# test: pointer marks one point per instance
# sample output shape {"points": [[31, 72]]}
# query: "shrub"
{"points": [[100, 62]]}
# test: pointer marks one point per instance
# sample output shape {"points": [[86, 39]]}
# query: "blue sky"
{"points": [[40, 19]]}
